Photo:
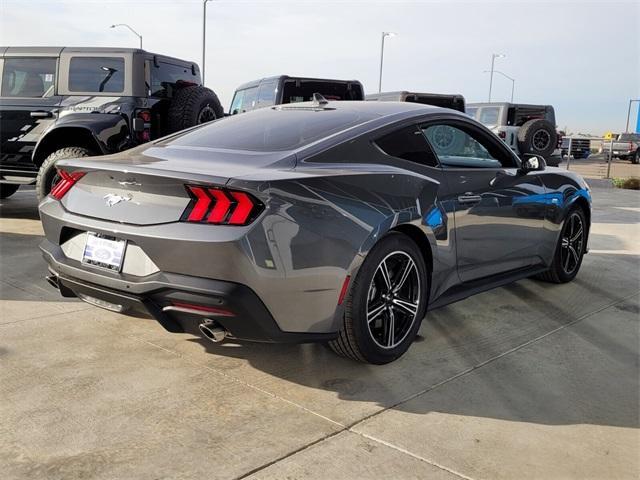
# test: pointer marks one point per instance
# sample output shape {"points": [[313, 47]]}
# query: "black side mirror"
{"points": [[532, 163]]}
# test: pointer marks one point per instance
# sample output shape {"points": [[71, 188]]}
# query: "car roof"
{"points": [[255, 83], [55, 51], [500, 104]]}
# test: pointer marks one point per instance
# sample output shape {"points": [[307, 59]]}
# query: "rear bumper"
{"points": [[157, 295]]}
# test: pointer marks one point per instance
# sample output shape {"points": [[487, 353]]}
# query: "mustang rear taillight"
{"points": [[67, 180], [220, 206]]}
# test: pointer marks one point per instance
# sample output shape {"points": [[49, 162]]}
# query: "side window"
{"points": [[267, 94], [461, 148], [409, 144], [489, 115], [28, 77], [96, 74], [166, 74], [243, 100]]}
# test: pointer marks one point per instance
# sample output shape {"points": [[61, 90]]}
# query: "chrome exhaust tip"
{"points": [[213, 331], [53, 281]]}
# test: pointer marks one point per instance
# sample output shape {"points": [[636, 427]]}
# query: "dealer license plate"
{"points": [[104, 251]]}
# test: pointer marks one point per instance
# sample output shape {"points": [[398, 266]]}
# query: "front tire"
{"points": [[48, 173], [385, 304], [569, 250], [8, 189]]}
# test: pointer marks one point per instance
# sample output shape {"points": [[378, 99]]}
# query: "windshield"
{"points": [[271, 129]]}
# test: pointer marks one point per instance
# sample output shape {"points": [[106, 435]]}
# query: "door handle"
{"points": [[468, 198], [41, 114]]}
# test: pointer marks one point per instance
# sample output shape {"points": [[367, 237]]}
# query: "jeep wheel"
{"points": [[538, 137], [635, 159], [8, 189], [192, 106], [47, 174]]}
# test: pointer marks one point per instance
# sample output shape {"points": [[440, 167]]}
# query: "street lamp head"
{"points": [[390, 34], [499, 55], [113, 26]]}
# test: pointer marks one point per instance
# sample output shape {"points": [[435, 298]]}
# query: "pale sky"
{"points": [[581, 57]]}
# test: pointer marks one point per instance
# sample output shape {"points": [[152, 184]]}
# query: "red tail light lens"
{"points": [[221, 206], [67, 180]]}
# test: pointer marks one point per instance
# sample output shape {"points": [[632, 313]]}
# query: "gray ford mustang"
{"points": [[342, 222]]}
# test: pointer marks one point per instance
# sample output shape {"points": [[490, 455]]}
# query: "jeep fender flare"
{"points": [[102, 133]]}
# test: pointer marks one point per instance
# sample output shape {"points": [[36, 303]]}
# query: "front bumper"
{"points": [[157, 295]]}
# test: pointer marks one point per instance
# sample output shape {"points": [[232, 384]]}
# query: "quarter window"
{"points": [[489, 115], [457, 147], [267, 94], [168, 74], [96, 74], [28, 77], [408, 144], [244, 100]]}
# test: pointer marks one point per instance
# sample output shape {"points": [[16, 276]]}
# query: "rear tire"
{"points": [[48, 173], [192, 106], [378, 303], [635, 159], [537, 137], [568, 253], [8, 189]]}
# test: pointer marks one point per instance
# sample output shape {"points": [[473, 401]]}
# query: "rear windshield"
{"points": [[629, 137], [96, 74], [270, 129]]}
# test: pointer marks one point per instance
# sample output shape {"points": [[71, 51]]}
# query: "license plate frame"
{"points": [[104, 251]]}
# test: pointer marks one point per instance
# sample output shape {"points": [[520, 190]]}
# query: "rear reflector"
{"points": [[221, 206], [67, 180], [345, 288]]}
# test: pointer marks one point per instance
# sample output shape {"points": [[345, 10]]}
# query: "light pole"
{"points": [[384, 35], [513, 80], [493, 61], [204, 34], [626, 130], [132, 31]]}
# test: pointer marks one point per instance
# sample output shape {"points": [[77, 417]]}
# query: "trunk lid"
{"points": [[147, 187]]}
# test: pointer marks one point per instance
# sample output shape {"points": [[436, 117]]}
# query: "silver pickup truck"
{"points": [[625, 147]]}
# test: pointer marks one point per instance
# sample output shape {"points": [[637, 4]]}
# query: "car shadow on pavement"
{"points": [[514, 362]]}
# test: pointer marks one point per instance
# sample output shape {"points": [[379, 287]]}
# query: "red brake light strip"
{"points": [[220, 206]]}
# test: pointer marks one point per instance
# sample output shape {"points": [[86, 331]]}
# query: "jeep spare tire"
{"points": [[538, 137], [192, 106], [48, 175]]}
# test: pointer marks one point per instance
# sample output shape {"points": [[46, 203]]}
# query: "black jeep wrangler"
{"points": [[76, 102]]}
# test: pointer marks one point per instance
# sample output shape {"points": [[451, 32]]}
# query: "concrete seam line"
{"points": [[236, 380], [497, 357], [40, 317], [413, 455], [290, 454]]}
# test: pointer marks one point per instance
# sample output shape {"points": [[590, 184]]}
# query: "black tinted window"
{"points": [[268, 129], [629, 137], [168, 74], [28, 77], [408, 144], [462, 147], [518, 116], [96, 74]]}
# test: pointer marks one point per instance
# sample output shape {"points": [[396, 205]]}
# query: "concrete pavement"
{"points": [[528, 381]]}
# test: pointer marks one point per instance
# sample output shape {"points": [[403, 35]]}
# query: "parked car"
{"points": [[580, 147], [283, 89], [341, 222], [455, 102], [526, 129], [78, 102], [625, 147]]}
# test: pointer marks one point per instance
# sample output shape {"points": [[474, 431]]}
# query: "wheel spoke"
{"points": [[566, 261], [385, 274], [576, 235], [375, 313], [574, 254], [408, 307], [391, 326], [405, 274]]}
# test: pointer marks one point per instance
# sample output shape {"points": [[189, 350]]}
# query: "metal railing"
{"points": [[603, 141]]}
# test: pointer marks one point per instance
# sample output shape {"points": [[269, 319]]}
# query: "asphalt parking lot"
{"points": [[528, 381]]}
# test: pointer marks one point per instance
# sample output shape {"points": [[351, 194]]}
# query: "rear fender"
{"points": [[102, 133]]}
